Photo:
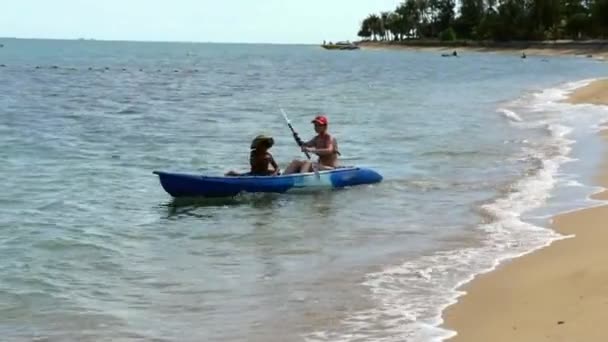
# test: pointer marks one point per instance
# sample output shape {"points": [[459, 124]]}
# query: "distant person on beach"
{"points": [[523, 55], [260, 160], [454, 53], [323, 145]]}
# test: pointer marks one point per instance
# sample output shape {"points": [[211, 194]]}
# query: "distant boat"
{"points": [[340, 46]]}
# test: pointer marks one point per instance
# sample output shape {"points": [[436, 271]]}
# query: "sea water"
{"points": [[477, 152]]}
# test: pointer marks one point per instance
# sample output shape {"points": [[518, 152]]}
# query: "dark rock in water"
{"points": [[124, 69], [175, 70], [2, 66], [37, 67], [54, 67], [141, 70], [107, 68], [90, 68], [1, 45]]}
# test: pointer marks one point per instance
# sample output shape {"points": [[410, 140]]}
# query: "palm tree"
{"points": [[393, 24], [365, 31], [374, 25], [384, 25], [410, 16]]}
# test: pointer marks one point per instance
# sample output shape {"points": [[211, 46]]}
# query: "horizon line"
{"points": [[153, 41]]}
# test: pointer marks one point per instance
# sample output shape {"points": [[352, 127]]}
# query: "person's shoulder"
{"points": [[328, 137]]}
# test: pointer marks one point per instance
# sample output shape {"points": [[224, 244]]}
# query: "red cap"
{"points": [[321, 120]]}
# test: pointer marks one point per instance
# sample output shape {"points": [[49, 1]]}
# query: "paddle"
{"points": [[299, 141]]}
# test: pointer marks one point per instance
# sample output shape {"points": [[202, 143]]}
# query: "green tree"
{"points": [[445, 15], [374, 25], [365, 31], [599, 17], [394, 25], [384, 32], [545, 16], [410, 14], [490, 19], [471, 14]]}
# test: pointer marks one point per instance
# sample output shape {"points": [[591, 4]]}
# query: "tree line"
{"points": [[499, 20]]}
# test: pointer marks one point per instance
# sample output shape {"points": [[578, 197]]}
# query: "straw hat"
{"points": [[266, 139]]}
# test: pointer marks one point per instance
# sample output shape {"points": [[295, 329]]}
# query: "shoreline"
{"points": [[556, 293], [590, 49]]}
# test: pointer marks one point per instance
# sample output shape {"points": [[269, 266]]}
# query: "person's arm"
{"points": [[274, 164], [310, 143]]}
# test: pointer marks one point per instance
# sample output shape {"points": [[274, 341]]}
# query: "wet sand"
{"points": [[558, 293], [596, 50]]}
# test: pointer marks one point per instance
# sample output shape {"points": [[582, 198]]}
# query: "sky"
{"points": [[247, 21]]}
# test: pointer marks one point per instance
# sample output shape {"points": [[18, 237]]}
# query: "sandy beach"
{"points": [[596, 50], [559, 293]]}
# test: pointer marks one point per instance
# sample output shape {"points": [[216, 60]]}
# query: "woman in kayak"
{"points": [[261, 161], [323, 145]]}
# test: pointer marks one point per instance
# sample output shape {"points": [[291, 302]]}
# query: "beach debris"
{"points": [[560, 322]]}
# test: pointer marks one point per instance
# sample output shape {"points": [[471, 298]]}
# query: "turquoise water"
{"points": [[476, 152]]}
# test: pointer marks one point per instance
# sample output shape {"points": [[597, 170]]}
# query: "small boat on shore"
{"points": [[192, 185], [340, 46]]}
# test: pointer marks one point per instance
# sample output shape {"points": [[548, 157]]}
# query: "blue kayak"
{"points": [[190, 185]]}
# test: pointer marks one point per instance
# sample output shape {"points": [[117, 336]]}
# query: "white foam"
{"points": [[509, 114], [411, 297]]}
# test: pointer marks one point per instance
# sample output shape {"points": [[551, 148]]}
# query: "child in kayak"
{"points": [[261, 161], [323, 145]]}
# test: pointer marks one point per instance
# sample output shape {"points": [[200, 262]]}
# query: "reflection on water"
{"points": [[190, 206], [318, 203]]}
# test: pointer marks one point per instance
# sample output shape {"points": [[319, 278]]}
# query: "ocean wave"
{"points": [[434, 184], [509, 114], [411, 297]]}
